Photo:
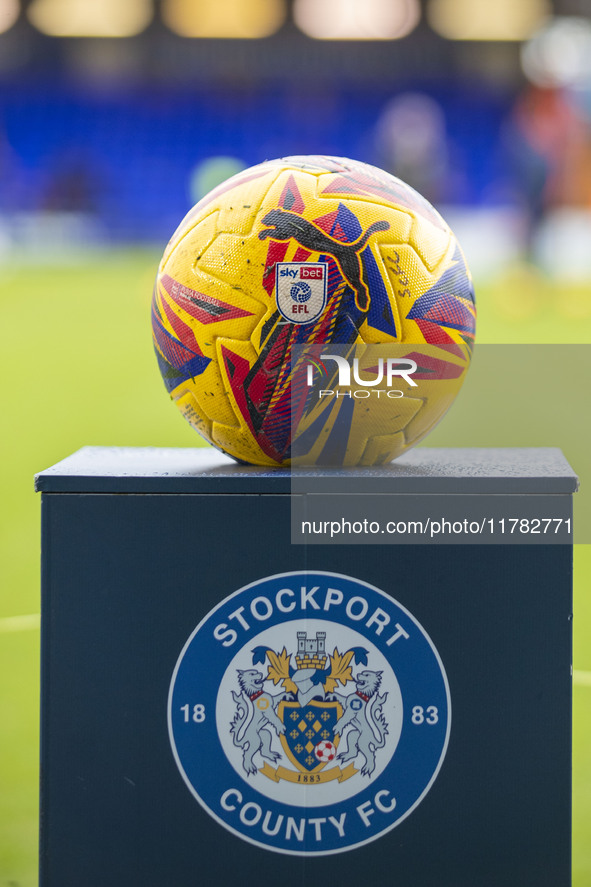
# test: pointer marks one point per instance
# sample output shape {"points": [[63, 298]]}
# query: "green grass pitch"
{"points": [[78, 368]]}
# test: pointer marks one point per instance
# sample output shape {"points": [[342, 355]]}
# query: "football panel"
{"points": [[248, 391], [361, 181], [429, 241], [239, 444], [193, 413], [347, 425], [201, 230], [381, 449], [219, 196]]}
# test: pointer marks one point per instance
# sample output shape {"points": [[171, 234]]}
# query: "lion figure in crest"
{"points": [[255, 711], [362, 714]]}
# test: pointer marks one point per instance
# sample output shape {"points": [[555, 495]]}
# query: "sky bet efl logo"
{"points": [[309, 713], [301, 290]]}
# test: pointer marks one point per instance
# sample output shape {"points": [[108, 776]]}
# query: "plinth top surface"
{"points": [[205, 470]]}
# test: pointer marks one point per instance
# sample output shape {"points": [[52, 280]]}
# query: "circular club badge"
{"points": [[309, 713]]}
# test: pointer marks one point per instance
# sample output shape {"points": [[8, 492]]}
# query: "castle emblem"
{"points": [[311, 653]]}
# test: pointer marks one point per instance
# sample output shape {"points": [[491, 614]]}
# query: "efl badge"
{"points": [[301, 290], [309, 713]]}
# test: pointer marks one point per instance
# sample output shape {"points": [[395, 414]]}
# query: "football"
{"points": [[325, 752], [313, 311]]}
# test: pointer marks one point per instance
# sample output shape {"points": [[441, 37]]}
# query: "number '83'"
{"points": [[429, 715]]}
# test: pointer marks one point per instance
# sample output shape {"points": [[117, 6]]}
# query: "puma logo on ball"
{"points": [[285, 225]]}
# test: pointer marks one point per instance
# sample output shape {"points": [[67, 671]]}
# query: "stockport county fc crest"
{"points": [[309, 713]]}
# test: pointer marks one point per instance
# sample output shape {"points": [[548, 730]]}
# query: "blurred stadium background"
{"points": [[116, 116]]}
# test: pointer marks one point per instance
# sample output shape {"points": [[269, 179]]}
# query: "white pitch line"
{"points": [[29, 622], [581, 678]]}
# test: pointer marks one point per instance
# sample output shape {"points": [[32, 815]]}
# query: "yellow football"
{"points": [[313, 311]]}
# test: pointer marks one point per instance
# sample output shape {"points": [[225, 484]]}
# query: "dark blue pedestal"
{"points": [[140, 546]]}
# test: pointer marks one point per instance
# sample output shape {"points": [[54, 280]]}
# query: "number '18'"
{"points": [[195, 713]]}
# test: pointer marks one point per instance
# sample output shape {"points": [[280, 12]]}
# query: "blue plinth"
{"points": [[169, 580]]}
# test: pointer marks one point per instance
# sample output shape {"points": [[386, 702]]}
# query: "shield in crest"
{"points": [[305, 727]]}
